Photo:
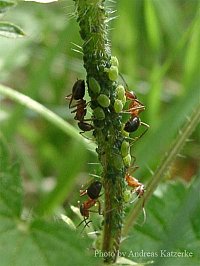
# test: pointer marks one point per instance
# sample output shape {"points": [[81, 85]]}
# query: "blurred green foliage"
{"points": [[157, 43]]}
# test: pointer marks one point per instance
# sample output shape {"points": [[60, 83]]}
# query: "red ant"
{"points": [[139, 188], [93, 192], [133, 182], [135, 108], [78, 92]]}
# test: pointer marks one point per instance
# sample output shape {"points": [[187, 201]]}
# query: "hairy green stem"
{"points": [[92, 18], [169, 158]]}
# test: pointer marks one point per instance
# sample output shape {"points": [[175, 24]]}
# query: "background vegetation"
{"points": [[157, 43]]}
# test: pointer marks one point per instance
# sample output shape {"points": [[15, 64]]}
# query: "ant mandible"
{"points": [[93, 192]]}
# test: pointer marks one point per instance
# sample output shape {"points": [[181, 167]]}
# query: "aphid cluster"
{"points": [[123, 97], [135, 107]]}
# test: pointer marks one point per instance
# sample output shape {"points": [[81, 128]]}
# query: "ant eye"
{"points": [[99, 113], [125, 148], [114, 61], [103, 100], [127, 160], [120, 92], [118, 106], [94, 85], [113, 73]]}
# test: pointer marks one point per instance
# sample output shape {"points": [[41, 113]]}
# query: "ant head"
{"points": [[130, 95], [140, 191]]}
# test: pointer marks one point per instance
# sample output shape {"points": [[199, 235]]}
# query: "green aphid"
{"points": [[117, 162], [118, 106], [94, 85], [99, 113], [120, 92], [113, 73], [114, 61], [127, 195], [127, 160], [103, 100], [125, 148]]}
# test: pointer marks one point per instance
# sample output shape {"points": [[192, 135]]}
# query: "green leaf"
{"points": [[42, 244], [192, 64], [10, 186], [5, 5], [152, 25], [47, 114], [172, 224], [26, 241], [10, 30], [41, 1], [65, 181]]}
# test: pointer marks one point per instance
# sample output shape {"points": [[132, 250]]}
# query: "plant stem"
{"points": [[92, 18], [169, 158]]}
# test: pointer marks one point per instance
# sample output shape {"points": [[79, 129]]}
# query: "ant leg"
{"points": [[84, 220], [99, 208], [82, 132], [79, 104], [88, 119], [137, 138], [136, 100], [79, 107], [75, 105], [86, 224], [132, 109], [70, 98], [132, 167], [83, 192]]}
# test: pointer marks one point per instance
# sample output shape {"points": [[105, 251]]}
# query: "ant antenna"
{"points": [[123, 79]]}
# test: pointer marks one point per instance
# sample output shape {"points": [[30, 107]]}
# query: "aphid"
{"points": [[78, 92], [103, 100], [98, 113], [118, 106], [112, 72], [114, 61], [94, 85], [125, 148]]}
